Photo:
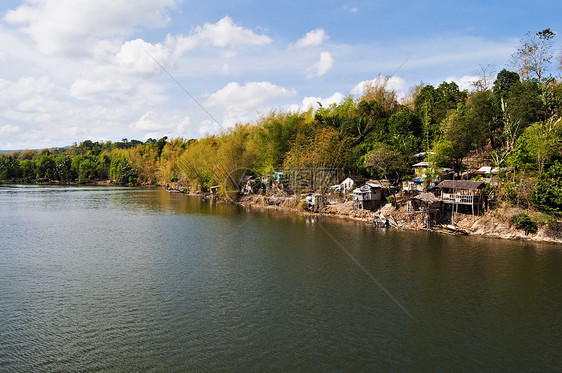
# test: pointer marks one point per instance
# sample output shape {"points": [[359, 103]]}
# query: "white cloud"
{"points": [[351, 9], [250, 95], [151, 121], [393, 83], [84, 88], [313, 38], [208, 127], [9, 128], [243, 102], [464, 82], [142, 57], [222, 34], [30, 99], [55, 98], [321, 67], [312, 102], [153, 124], [73, 27]]}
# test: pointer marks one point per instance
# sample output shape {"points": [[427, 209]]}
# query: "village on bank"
{"points": [[433, 199]]}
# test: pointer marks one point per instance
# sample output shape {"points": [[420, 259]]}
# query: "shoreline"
{"points": [[487, 224]]}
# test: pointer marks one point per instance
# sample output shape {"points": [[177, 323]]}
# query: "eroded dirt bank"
{"points": [[496, 223]]}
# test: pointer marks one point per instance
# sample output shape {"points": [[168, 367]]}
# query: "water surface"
{"points": [[130, 279]]}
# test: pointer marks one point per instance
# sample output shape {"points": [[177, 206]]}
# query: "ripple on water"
{"points": [[113, 279]]}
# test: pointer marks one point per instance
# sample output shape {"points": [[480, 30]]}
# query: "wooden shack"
{"points": [[461, 192], [315, 202], [368, 196], [425, 202], [425, 206]]}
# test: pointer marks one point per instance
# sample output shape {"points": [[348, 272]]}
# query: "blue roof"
{"points": [[418, 180]]}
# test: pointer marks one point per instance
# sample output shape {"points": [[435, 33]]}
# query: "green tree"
{"points": [[64, 169], [425, 104], [87, 170], [9, 167], [456, 141], [386, 162], [504, 82], [548, 193], [480, 113], [45, 167], [539, 145], [449, 96], [27, 171]]}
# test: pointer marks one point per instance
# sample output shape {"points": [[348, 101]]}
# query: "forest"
{"points": [[510, 120]]}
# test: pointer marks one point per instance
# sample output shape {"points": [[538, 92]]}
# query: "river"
{"points": [[132, 279]]}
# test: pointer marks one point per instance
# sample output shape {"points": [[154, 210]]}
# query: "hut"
{"points": [[367, 196], [349, 182], [425, 205], [315, 202], [461, 192], [426, 202]]}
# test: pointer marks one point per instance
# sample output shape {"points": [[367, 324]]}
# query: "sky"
{"points": [[104, 70]]}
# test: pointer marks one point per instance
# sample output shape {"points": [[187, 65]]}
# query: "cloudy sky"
{"points": [[110, 69]]}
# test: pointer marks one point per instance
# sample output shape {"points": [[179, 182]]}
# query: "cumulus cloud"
{"points": [[393, 83], [313, 38], [464, 82], [321, 67], [156, 125], [222, 34], [72, 27], [139, 56], [243, 102], [312, 102], [30, 99], [250, 95], [151, 121]]}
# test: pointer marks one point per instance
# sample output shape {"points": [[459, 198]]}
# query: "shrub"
{"points": [[524, 221]]}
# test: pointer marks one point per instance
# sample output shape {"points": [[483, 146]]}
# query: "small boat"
{"points": [[379, 218]]}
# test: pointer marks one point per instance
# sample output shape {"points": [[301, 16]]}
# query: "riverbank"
{"points": [[495, 223]]}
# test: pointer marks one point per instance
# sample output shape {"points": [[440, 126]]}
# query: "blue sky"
{"points": [[76, 70]]}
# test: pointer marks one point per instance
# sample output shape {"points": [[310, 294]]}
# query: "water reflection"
{"points": [[124, 279]]}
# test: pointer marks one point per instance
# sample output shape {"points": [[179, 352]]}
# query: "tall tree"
{"points": [[504, 82], [484, 81], [425, 103], [533, 57], [457, 139], [480, 115]]}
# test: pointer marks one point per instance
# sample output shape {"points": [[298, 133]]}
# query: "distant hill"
{"points": [[35, 150], [16, 150]]}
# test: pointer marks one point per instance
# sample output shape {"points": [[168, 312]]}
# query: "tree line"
{"points": [[511, 119]]}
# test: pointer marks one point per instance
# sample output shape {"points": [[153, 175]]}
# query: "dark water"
{"points": [[117, 279]]}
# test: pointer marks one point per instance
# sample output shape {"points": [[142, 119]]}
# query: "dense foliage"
{"points": [[513, 123]]}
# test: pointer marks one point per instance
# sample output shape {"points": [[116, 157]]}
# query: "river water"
{"points": [[130, 279]]}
